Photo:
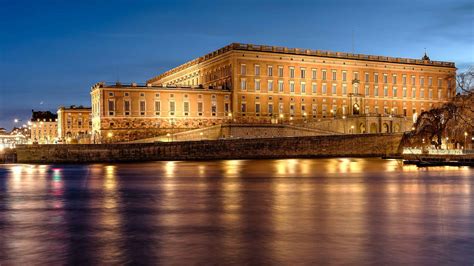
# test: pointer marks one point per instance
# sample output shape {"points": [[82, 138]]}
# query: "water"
{"points": [[298, 211]]}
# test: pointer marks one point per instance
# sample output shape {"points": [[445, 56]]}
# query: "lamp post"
{"points": [[352, 129], [168, 135], [465, 140], [447, 139], [281, 118], [200, 134]]}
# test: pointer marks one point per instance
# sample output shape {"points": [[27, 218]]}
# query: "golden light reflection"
{"points": [[170, 168], [232, 168]]}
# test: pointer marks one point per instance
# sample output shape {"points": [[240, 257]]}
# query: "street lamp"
{"points": [[201, 135], [168, 135], [352, 129], [465, 140], [447, 148]]}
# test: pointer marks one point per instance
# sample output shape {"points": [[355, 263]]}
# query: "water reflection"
{"points": [[297, 211]]}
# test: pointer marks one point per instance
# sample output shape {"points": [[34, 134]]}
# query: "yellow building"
{"points": [[74, 124], [270, 84], [44, 127]]}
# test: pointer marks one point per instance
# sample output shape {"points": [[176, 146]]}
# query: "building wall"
{"points": [[125, 113], [44, 132], [433, 83], [315, 86], [74, 125]]}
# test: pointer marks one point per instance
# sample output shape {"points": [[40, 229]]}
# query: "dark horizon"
{"points": [[51, 53]]}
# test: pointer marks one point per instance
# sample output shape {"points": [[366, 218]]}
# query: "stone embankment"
{"points": [[357, 145]]}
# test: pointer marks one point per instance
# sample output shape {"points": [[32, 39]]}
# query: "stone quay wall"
{"points": [[357, 145], [247, 131]]}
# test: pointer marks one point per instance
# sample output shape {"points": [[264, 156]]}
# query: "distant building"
{"points": [[247, 83], [44, 127], [74, 124]]}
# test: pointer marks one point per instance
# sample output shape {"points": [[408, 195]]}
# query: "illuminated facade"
{"points": [[44, 127], [74, 124], [269, 84]]}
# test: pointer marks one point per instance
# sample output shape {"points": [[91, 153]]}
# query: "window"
{"points": [[324, 74], [314, 73], [257, 85], [280, 108], [440, 81], [270, 71], [439, 93], [344, 76], [385, 91], [280, 71], [226, 108], [200, 108], [344, 89], [142, 94], [303, 73], [376, 77], [413, 93], [270, 85], [334, 75], [292, 109], [356, 75], [404, 92], [213, 108], [243, 107], [111, 107], [111, 94], [257, 109], [430, 93], [303, 87], [126, 107], [243, 69], [186, 108], [394, 92], [157, 107], [366, 90], [422, 81], [404, 79], [280, 85], [292, 86], [314, 110], [313, 88], [243, 84], [413, 80], [142, 107], [394, 79], [270, 108], [385, 78], [430, 81], [334, 89], [257, 70], [292, 72], [366, 77], [422, 93], [172, 108], [324, 89]]}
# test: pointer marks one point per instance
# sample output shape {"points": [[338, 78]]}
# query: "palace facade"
{"points": [[246, 83], [74, 124]]}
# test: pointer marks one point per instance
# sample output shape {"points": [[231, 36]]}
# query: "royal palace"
{"points": [[257, 84]]}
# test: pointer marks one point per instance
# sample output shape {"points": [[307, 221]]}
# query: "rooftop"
{"points": [[307, 52], [43, 116], [142, 86]]}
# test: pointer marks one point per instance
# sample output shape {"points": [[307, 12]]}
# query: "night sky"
{"points": [[52, 52]]}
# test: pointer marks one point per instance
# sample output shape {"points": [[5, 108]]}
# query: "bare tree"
{"points": [[451, 120]]}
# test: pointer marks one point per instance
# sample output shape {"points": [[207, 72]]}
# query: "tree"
{"points": [[450, 120]]}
